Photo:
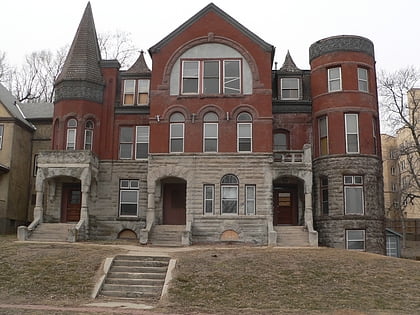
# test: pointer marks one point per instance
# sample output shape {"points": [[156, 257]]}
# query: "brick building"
{"points": [[212, 144]]}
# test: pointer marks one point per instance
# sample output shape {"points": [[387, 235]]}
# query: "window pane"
{"points": [[209, 192], [72, 123], [334, 85], [142, 150], [88, 139], [210, 145], [211, 69], [229, 192], [143, 86], [232, 68], [210, 130], [71, 139], [190, 69], [142, 133], [244, 117], [190, 86], [232, 83], [125, 150], [244, 130], [126, 134], [211, 85], [190, 77], [128, 209], [143, 98], [229, 179], [129, 196], [280, 142], [211, 117], [356, 245], [334, 73], [352, 143], [177, 145], [229, 206], [354, 200], [351, 123], [177, 130], [208, 206], [244, 145], [177, 117], [211, 77], [129, 86]]}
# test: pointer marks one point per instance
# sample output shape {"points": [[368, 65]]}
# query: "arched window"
{"points": [[176, 132], [71, 134], [244, 132], [281, 141], [229, 194], [89, 126], [210, 132]]}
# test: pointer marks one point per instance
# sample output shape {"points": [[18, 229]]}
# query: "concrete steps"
{"points": [[135, 277], [292, 236], [166, 235], [51, 232]]}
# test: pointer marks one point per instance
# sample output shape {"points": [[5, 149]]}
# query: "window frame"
{"points": [[361, 81], [89, 130], [241, 122], [351, 182], [1, 135], [297, 80], [348, 133], [129, 188], [176, 119], [205, 199], [324, 195], [282, 146], [252, 199], [145, 140], [360, 240], [322, 137], [229, 181], [139, 93], [120, 143], [136, 92], [71, 130], [239, 77], [332, 80], [207, 138]]}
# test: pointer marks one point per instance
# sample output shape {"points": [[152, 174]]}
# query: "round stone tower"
{"points": [[347, 166]]}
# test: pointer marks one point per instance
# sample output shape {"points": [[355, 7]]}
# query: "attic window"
{"points": [[290, 88], [136, 92]]}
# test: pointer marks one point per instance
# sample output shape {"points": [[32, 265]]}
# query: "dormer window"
{"points": [[136, 92], [211, 77], [290, 88]]}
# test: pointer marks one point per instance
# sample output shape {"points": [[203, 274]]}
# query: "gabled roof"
{"points": [[37, 110], [82, 62], [212, 7], [12, 106], [139, 67], [289, 65]]}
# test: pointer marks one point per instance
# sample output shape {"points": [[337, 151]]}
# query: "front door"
{"points": [[174, 209], [71, 203], [285, 206]]}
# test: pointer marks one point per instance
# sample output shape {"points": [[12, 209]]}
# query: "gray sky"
{"points": [[393, 26]]}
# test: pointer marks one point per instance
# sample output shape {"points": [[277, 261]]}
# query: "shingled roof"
{"points": [[11, 104], [140, 66], [289, 65], [82, 62]]}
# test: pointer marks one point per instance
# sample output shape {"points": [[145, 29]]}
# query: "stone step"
{"points": [[131, 275], [51, 232], [129, 295], [138, 269], [126, 288], [142, 258], [149, 282], [139, 263], [292, 236], [166, 235]]}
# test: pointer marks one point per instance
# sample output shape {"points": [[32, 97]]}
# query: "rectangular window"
{"points": [[129, 92], [290, 88], [324, 195], [1, 136], [71, 139], [393, 171], [142, 142], [334, 79], [129, 196], [394, 187], [352, 133], [232, 77], [323, 135], [249, 199], [211, 81], [88, 139], [126, 143], [190, 74], [143, 92], [177, 137], [362, 77], [208, 200], [353, 194], [244, 137], [210, 137], [229, 199], [35, 165], [355, 240]]}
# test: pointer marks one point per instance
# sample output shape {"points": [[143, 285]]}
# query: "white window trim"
{"points": [[348, 133], [206, 199], [281, 89], [215, 137], [134, 93], [319, 131], [253, 199], [237, 132], [201, 65], [119, 145], [330, 80], [174, 138], [136, 189], [240, 76], [356, 240], [85, 142], [138, 91], [136, 142], [359, 79], [68, 140], [1, 136], [237, 199], [353, 185], [198, 78]]}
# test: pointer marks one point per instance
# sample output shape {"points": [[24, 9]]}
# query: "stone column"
{"points": [[150, 216], [39, 188]]}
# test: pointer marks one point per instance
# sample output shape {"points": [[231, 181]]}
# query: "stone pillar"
{"points": [[84, 210], [39, 188], [150, 217]]}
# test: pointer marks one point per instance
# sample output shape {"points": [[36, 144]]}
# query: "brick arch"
{"points": [[245, 108], [176, 108], [217, 40], [211, 108]]}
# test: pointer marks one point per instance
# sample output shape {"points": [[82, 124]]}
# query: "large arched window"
{"points": [[210, 132], [89, 126], [176, 143], [229, 194], [244, 132], [71, 134]]}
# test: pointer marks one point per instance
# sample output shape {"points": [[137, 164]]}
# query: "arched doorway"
{"points": [[174, 201]]}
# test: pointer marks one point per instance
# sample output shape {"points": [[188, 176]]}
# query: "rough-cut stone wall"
{"points": [[200, 169], [332, 227], [104, 220]]}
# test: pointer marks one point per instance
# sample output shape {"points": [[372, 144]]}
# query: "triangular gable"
{"points": [[11, 105], [212, 7]]}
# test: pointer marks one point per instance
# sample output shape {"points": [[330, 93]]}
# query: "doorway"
{"points": [[285, 205], [71, 203], [174, 203]]}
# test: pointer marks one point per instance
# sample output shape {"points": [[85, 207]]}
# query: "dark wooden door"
{"points": [[285, 206], [71, 203], [174, 208]]}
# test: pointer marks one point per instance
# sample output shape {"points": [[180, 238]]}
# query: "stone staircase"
{"points": [[51, 232], [166, 235], [292, 236], [135, 277]]}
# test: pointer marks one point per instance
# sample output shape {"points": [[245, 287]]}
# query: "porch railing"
{"points": [[288, 156]]}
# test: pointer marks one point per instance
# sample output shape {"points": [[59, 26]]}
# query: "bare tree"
{"points": [[400, 106], [4, 67], [117, 45]]}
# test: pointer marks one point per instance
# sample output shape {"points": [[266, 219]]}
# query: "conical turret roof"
{"points": [[140, 66], [82, 62], [288, 64]]}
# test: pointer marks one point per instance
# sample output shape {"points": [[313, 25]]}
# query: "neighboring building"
{"points": [[213, 145], [391, 175], [15, 153]]}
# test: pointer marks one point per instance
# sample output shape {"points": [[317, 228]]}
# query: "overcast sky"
{"points": [[393, 26]]}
